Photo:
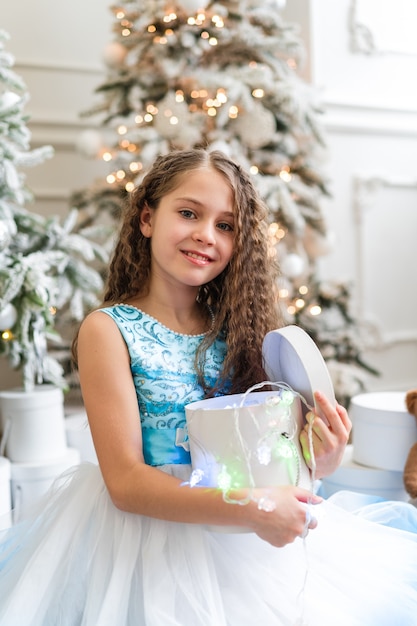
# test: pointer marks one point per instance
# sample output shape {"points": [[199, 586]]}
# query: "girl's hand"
{"points": [[290, 518], [329, 440]]}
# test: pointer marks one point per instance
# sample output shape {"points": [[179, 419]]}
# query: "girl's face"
{"points": [[192, 230]]}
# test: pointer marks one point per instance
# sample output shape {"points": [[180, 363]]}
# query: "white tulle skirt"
{"points": [[79, 561]]}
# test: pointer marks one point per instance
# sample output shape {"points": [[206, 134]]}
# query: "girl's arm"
{"points": [[111, 404]]}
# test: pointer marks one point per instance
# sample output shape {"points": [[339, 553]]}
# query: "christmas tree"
{"points": [[44, 265], [223, 75]]}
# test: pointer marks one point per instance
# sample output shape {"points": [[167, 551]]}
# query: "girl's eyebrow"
{"points": [[189, 199]]}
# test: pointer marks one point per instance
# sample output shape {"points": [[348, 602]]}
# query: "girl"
{"points": [[189, 298]]}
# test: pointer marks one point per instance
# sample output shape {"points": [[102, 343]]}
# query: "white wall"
{"points": [[370, 102], [57, 47], [371, 121]]}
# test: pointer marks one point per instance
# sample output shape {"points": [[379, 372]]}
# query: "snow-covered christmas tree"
{"points": [[44, 265], [223, 74]]}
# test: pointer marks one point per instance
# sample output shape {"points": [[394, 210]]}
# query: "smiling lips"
{"points": [[199, 258]]}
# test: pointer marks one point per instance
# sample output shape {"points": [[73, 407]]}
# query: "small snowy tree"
{"points": [[44, 265]]}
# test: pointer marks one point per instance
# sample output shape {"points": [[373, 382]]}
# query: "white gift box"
{"points": [[33, 423], [351, 476], [78, 435], [235, 446], [30, 481], [383, 430], [5, 493]]}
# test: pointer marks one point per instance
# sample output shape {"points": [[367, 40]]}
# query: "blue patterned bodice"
{"points": [[163, 369]]}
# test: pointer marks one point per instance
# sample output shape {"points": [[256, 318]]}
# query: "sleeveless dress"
{"points": [[79, 561]]}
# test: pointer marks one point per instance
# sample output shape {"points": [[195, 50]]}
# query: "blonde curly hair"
{"points": [[243, 297]]}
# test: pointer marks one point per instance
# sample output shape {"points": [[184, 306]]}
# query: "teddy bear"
{"points": [[410, 468]]}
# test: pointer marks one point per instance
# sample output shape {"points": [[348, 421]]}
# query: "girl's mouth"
{"points": [[201, 258]]}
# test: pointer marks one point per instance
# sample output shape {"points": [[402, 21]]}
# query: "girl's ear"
{"points": [[146, 221]]}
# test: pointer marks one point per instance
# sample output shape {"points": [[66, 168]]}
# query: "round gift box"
{"points": [[30, 481], [351, 476], [5, 493], [34, 424], [226, 437], [79, 436], [383, 430]]}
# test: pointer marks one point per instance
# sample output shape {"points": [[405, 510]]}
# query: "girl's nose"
{"points": [[205, 232]]}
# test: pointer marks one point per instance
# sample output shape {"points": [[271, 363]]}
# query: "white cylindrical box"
{"points": [[383, 430], [228, 440], [5, 493], [34, 424], [351, 476], [30, 481], [79, 436]]}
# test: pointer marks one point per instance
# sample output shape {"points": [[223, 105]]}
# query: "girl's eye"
{"points": [[225, 226], [187, 213]]}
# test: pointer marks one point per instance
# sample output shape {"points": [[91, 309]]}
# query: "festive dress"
{"points": [[79, 561]]}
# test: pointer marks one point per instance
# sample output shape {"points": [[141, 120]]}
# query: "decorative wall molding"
{"points": [[366, 190], [51, 195], [369, 120], [342, 118], [61, 133], [44, 65], [388, 28]]}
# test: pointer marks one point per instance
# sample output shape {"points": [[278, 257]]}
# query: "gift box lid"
{"points": [[291, 356]]}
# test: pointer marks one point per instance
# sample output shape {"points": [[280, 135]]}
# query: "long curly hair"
{"points": [[243, 297]]}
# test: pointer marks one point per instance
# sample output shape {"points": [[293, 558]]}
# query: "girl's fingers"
{"points": [[337, 417]]}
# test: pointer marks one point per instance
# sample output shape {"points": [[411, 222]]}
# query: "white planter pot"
{"points": [[33, 424], [30, 481]]}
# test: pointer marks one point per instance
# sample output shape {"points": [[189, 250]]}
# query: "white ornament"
{"points": [[278, 4], [256, 127], [89, 143], [317, 244], [8, 100], [114, 54], [222, 146], [5, 235], [292, 265], [8, 317], [171, 117], [193, 6]]}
